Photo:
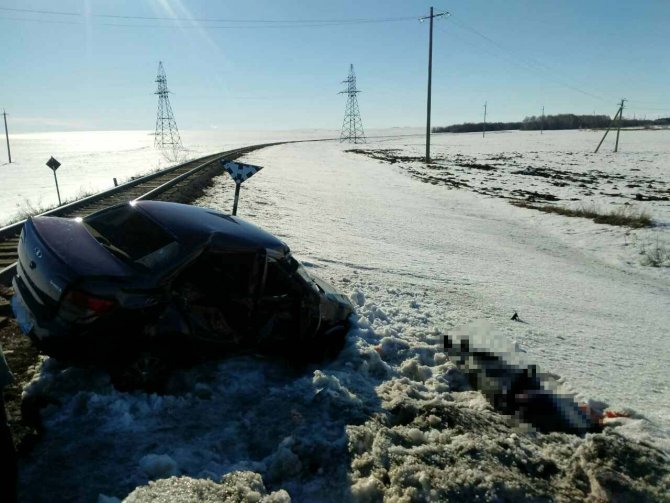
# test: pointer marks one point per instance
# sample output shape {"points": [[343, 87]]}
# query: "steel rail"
{"points": [[9, 234], [171, 183], [16, 227]]}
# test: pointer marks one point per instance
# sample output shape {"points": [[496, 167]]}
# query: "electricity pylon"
{"points": [[167, 135], [352, 126]]}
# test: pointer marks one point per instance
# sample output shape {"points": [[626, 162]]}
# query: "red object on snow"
{"points": [[598, 417]]}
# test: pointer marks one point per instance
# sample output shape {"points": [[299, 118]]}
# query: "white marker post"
{"points": [[239, 173], [54, 164]]}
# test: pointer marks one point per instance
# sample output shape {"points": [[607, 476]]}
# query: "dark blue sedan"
{"points": [[171, 281]]}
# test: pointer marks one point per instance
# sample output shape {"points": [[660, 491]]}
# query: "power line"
{"points": [[171, 26], [528, 60], [216, 20], [652, 103], [648, 109], [529, 63]]}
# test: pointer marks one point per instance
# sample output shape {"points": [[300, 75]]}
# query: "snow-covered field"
{"points": [[91, 160], [594, 313], [391, 416]]}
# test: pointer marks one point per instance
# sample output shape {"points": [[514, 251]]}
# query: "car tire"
{"points": [[147, 372], [325, 346], [151, 365]]}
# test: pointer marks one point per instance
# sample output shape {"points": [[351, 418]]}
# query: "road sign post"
{"points": [[54, 165], [239, 173], [9, 152], [237, 197]]}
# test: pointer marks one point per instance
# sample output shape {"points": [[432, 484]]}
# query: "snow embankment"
{"points": [[391, 418]]}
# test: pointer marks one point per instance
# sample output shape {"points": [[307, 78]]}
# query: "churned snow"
{"points": [[391, 417]]}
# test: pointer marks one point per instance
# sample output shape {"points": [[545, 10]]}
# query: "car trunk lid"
{"points": [[54, 252]]}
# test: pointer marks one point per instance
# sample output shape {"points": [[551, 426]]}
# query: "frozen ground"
{"points": [[558, 168], [391, 417]]}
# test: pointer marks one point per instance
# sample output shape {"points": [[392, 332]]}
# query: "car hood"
{"points": [[69, 240], [329, 291]]}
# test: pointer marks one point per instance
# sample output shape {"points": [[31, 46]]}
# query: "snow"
{"points": [[593, 313], [236, 487], [392, 417], [90, 160]]}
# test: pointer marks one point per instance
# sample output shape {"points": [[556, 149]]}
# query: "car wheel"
{"points": [[147, 372], [325, 346]]}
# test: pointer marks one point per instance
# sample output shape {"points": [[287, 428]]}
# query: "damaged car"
{"points": [[159, 281]]}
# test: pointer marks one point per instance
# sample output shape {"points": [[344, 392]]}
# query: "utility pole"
{"points": [[9, 153], [618, 129], [542, 121], [430, 77], [617, 118], [484, 130]]}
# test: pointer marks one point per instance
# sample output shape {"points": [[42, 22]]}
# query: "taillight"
{"points": [[84, 307]]}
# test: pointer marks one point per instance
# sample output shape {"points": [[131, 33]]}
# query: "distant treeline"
{"points": [[560, 121]]}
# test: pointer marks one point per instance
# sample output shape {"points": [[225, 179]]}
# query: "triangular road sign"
{"points": [[240, 172]]}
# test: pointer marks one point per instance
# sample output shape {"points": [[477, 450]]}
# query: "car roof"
{"points": [[196, 225]]}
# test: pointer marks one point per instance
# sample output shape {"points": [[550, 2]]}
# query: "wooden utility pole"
{"points": [[484, 129], [9, 153], [430, 77], [542, 121], [616, 145], [617, 117]]}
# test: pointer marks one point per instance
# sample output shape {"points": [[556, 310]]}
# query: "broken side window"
{"points": [[217, 293], [279, 280]]}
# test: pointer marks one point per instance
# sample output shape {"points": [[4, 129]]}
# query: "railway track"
{"points": [[163, 185]]}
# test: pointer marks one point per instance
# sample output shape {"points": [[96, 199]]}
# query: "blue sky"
{"points": [[269, 64]]}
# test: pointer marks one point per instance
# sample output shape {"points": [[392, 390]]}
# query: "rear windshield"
{"points": [[129, 234]]}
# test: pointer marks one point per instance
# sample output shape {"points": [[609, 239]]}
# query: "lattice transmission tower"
{"points": [[352, 126], [167, 135]]}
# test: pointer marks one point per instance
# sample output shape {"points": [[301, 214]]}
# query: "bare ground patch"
{"points": [[623, 216]]}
